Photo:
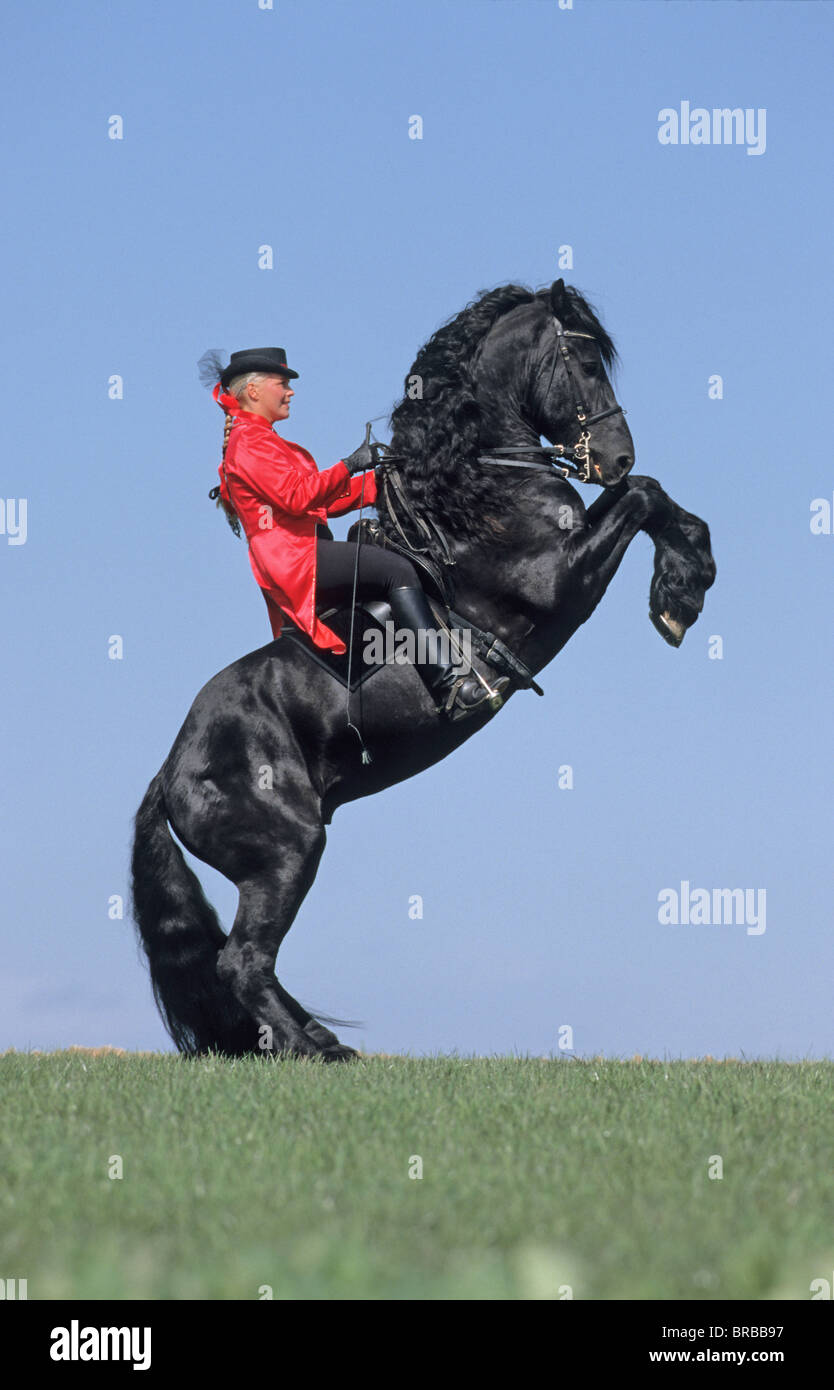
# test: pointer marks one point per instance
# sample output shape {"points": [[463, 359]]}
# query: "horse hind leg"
{"points": [[315, 1028], [269, 902]]}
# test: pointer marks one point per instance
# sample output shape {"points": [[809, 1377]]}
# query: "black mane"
{"points": [[438, 436]]}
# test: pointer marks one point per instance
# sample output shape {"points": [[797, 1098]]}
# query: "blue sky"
{"points": [[289, 127]]}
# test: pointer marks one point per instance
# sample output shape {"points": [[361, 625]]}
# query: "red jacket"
{"points": [[280, 496]]}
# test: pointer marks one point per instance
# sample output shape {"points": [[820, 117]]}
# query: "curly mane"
{"points": [[438, 437]]}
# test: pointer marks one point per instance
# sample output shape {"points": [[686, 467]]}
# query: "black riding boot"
{"points": [[455, 692]]}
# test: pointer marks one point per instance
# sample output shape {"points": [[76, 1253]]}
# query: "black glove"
{"points": [[360, 460]]}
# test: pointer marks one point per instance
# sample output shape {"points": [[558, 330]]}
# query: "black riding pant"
{"points": [[380, 571], [382, 574]]}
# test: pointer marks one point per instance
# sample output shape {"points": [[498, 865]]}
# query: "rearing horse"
{"points": [[530, 562]]}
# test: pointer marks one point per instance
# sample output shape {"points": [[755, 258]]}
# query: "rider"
{"points": [[274, 489]]}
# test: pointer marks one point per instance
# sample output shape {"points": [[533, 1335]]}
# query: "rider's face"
{"points": [[272, 396]]}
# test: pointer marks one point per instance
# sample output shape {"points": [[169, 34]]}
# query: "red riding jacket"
{"points": [[280, 496]]}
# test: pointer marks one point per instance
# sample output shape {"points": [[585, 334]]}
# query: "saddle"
{"points": [[373, 614]]}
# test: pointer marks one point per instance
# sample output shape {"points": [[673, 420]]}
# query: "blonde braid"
{"points": [[231, 514]]}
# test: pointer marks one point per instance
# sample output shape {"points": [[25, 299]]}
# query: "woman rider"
{"points": [[276, 491]]}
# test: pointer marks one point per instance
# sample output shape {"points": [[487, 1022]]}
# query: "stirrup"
{"points": [[492, 697]]}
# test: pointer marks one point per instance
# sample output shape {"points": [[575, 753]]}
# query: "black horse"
{"points": [[265, 755]]}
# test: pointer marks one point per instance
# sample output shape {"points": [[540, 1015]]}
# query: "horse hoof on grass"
{"points": [[339, 1054]]}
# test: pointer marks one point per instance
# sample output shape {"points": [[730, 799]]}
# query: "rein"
{"points": [[366, 757], [396, 498]]}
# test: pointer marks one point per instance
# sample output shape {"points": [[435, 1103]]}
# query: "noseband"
{"points": [[576, 457]]}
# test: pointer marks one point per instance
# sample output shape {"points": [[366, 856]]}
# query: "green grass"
{"points": [[537, 1175]]}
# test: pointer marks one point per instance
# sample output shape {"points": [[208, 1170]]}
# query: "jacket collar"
{"points": [[249, 417]]}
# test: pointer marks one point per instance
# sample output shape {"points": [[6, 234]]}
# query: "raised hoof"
{"points": [[669, 628]]}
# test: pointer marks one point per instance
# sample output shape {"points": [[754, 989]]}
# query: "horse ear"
{"points": [[558, 299]]}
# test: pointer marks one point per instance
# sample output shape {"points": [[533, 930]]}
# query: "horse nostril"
{"points": [[625, 462]]}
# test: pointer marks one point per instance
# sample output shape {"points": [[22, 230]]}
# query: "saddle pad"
{"points": [[369, 617]]}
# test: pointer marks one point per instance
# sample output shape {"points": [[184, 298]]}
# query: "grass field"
{"points": [[541, 1179]]}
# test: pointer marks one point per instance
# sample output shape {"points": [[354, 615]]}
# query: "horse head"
{"points": [[542, 370]]}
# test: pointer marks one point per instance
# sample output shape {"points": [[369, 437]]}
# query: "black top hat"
{"points": [[270, 359]]}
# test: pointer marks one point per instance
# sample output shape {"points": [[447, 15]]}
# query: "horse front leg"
{"points": [[683, 570]]}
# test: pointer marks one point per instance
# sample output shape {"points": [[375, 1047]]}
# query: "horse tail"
{"points": [[182, 936]]}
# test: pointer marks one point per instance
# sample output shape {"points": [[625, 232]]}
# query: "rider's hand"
{"points": [[360, 460]]}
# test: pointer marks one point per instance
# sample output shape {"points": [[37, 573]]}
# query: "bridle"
{"points": [[576, 457]]}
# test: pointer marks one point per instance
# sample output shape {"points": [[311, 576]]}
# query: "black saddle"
{"points": [[371, 615]]}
